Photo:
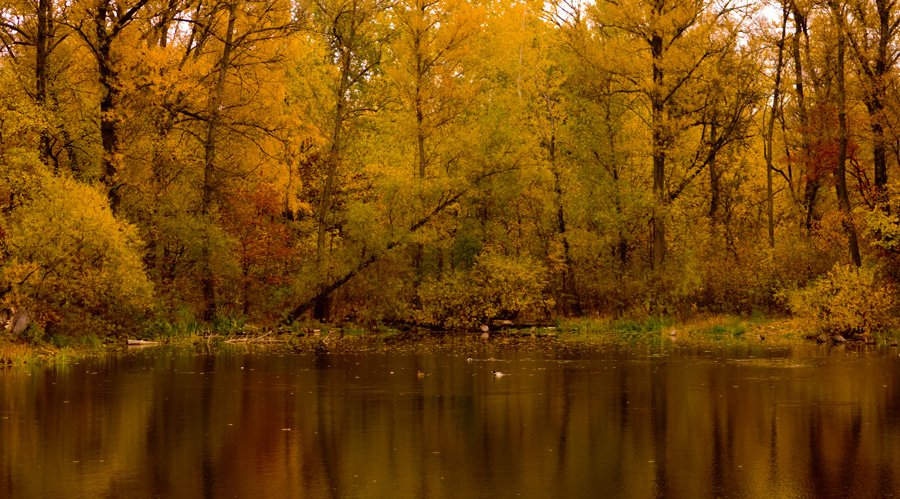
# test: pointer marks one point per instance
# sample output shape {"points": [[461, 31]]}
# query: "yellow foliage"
{"points": [[847, 300], [68, 255], [497, 286]]}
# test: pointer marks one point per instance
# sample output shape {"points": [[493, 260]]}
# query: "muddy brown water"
{"points": [[630, 422]]}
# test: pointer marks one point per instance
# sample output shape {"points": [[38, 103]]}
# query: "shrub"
{"points": [[847, 300], [71, 262], [496, 287]]}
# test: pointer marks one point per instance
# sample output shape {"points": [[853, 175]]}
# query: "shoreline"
{"points": [[584, 332]]}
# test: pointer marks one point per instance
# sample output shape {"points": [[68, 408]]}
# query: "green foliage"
{"points": [[69, 259], [183, 323], [466, 248], [91, 340], [34, 333], [734, 329], [497, 286], [228, 324], [847, 300], [634, 328], [61, 340]]}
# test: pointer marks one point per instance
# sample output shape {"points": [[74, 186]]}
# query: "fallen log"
{"points": [[141, 342], [252, 340]]}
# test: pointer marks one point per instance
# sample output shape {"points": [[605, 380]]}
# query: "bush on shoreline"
{"points": [[848, 300]]}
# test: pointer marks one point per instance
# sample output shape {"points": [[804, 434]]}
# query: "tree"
{"points": [[264, 245], [354, 42], [770, 128], [40, 26], [69, 259], [433, 41], [681, 37], [99, 26], [871, 28], [240, 39]]}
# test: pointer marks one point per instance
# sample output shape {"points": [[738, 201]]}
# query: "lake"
{"points": [[564, 421]]}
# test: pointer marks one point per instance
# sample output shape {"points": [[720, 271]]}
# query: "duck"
{"points": [[498, 374], [420, 374]]}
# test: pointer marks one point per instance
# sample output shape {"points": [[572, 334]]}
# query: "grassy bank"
{"points": [[319, 338]]}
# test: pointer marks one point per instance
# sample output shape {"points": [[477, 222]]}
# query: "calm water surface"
{"points": [[800, 421]]}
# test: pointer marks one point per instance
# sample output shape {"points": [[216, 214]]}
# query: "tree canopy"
{"points": [[442, 162]]}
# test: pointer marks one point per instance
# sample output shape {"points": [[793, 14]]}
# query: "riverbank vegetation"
{"points": [[660, 336], [194, 168]]}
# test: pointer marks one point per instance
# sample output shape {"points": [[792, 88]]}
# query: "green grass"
{"points": [[627, 330], [732, 329]]}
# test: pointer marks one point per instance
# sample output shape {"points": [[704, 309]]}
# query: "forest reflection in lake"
{"points": [[803, 421]]}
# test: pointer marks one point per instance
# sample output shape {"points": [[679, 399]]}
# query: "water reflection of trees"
{"points": [[270, 426]]}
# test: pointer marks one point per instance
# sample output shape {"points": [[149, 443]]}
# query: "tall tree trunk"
{"points": [[107, 24], [421, 158], [887, 27], [770, 132], [714, 174], [876, 68], [334, 160], [321, 309], [620, 250], [420, 46], [840, 175], [879, 149], [658, 248], [42, 53], [109, 93], [812, 184], [570, 302], [210, 176], [418, 100]]}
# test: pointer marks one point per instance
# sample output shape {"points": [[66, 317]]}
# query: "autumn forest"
{"points": [[447, 162]]}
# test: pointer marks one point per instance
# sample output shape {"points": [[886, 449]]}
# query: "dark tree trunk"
{"points": [[811, 189], [108, 22], [42, 54], [840, 175], [321, 310], [770, 132], [107, 80], [210, 176], [571, 301], [887, 27], [658, 248], [714, 174]]}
